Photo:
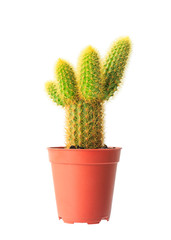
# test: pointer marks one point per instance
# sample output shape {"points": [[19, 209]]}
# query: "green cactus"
{"points": [[83, 94]]}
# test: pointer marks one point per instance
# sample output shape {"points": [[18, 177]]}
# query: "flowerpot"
{"points": [[84, 182]]}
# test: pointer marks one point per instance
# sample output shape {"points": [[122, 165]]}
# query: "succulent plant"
{"points": [[83, 93]]}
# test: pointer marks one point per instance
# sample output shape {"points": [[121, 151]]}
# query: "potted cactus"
{"points": [[84, 170]]}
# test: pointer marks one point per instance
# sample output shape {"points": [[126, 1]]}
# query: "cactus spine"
{"points": [[83, 94]]}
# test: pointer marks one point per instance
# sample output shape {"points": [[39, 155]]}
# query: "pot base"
{"points": [[96, 221]]}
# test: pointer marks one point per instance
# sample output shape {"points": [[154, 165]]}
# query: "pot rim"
{"points": [[61, 155], [85, 149]]}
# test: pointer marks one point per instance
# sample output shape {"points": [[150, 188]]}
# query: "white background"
{"points": [[34, 34]]}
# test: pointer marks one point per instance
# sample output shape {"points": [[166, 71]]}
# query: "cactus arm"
{"points": [[89, 75], [114, 65], [66, 81], [51, 89]]}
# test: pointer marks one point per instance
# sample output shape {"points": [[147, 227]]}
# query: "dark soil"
{"points": [[79, 147], [104, 146], [72, 147]]}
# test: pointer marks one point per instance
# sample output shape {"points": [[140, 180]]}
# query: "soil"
{"points": [[78, 147]]}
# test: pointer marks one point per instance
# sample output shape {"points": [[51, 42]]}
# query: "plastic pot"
{"points": [[84, 182]]}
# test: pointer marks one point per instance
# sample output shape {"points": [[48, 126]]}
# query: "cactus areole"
{"points": [[83, 163]]}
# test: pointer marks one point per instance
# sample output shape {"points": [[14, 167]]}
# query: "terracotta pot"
{"points": [[84, 182]]}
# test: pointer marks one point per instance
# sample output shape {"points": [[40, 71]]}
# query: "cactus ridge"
{"points": [[84, 124], [83, 93]]}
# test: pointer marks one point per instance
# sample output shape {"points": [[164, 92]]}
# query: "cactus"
{"points": [[83, 94]]}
